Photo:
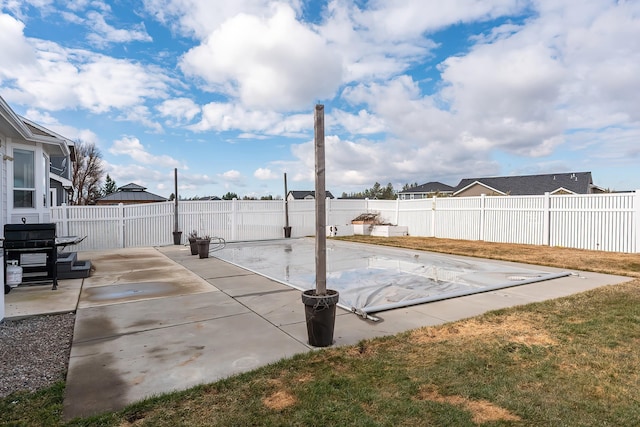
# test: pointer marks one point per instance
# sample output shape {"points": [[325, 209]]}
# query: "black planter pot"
{"points": [[193, 245], [203, 247], [320, 314], [287, 232], [177, 237]]}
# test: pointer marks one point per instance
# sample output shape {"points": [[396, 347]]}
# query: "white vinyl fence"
{"points": [[608, 222]]}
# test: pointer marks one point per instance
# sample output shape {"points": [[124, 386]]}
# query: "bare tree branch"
{"points": [[88, 171]]}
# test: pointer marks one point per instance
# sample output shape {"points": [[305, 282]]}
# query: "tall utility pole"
{"points": [[321, 220]]}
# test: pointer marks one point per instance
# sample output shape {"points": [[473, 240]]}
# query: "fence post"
{"points": [[433, 215], [65, 219], [546, 220], [636, 220], [121, 224], [234, 220], [397, 212], [483, 200]]}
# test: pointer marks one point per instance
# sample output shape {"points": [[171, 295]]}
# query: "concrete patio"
{"points": [[155, 320]]}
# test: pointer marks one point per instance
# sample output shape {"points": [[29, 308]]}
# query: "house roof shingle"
{"points": [[524, 185], [299, 195]]}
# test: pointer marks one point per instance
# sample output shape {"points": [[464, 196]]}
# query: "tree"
{"points": [[409, 186], [110, 186], [230, 196], [87, 174], [375, 192]]}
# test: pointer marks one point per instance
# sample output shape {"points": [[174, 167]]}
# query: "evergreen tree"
{"points": [[110, 186], [230, 196]]}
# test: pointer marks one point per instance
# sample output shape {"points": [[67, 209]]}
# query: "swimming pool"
{"points": [[374, 278]]}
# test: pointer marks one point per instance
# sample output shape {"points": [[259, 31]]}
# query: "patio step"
{"points": [[70, 268]]}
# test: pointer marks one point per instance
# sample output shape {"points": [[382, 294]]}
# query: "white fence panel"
{"points": [[101, 225], [608, 222], [342, 212], [258, 219], [458, 218], [417, 215], [388, 210], [596, 222], [514, 219], [149, 224], [206, 218], [302, 217]]}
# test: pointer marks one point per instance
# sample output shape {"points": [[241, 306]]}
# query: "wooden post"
{"points": [[321, 226], [286, 202], [175, 210]]}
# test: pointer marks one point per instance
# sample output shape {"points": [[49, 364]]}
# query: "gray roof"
{"points": [[132, 187], [132, 193], [575, 182], [298, 195], [430, 187]]}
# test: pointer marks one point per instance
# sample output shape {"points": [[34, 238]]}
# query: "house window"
{"points": [[24, 179]]}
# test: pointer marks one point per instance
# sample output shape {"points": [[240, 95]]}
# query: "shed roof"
{"points": [[132, 193]]}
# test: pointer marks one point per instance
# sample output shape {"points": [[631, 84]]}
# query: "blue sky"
{"points": [[414, 90]]}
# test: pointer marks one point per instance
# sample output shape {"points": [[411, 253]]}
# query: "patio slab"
{"points": [[34, 300], [140, 360], [155, 320]]}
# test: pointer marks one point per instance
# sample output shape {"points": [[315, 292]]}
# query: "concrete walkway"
{"points": [[155, 320]]}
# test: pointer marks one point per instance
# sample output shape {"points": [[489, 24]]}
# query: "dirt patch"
{"points": [[279, 400], [482, 411], [522, 329]]}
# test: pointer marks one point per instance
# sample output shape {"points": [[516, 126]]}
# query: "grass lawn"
{"points": [[572, 361]]}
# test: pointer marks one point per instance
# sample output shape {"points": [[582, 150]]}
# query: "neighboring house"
{"points": [[305, 195], [424, 191], [130, 194], [556, 183], [35, 169]]}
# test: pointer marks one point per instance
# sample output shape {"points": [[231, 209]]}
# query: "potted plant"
{"points": [[203, 246], [193, 238]]}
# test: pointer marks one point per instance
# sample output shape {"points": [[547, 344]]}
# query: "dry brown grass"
{"points": [[482, 411], [596, 261]]}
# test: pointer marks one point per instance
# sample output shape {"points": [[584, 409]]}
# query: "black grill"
{"points": [[23, 239]]}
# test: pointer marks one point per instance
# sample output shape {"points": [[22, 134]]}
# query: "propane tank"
{"points": [[14, 273]]}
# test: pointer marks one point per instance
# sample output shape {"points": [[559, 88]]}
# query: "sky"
{"points": [[414, 91]]}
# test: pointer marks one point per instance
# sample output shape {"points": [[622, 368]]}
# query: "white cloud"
{"points": [[362, 123], [265, 174], [131, 146], [200, 18], [46, 75], [104, 33], [273, 62], [223, 117], [179, 110], [232, 178]]}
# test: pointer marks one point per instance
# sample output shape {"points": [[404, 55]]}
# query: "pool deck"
{"points": [[155, 320]]}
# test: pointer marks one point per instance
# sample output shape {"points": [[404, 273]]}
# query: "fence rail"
{"points": [[608, 222]]}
